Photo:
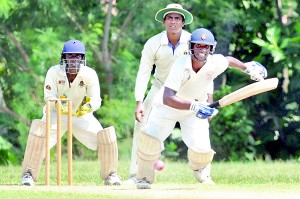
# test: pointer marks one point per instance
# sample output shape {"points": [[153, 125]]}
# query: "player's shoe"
{"points": [[130, 181], [143, 184], [203, 175], [112, 179], [27, 179]]}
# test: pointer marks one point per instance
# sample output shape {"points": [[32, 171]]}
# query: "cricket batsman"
{"points": [[184, 98]]}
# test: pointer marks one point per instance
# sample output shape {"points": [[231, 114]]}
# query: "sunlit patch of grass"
{"points": [[231, 178]]}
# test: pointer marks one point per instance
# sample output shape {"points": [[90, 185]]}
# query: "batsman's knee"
{"points": [[149, 150], [198, 160]]}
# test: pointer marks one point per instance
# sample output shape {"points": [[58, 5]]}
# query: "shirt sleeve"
{"points": [[220, 63], [145, 68], [93, 90], [50, 87]]}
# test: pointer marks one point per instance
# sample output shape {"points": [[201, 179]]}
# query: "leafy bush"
{"points": [[118, 113], [6, 157], [230, 131]]}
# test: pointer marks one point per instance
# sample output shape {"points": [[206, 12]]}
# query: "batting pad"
{"points": [[35, 148], [200, 160], [149, 150], [107, 151]]}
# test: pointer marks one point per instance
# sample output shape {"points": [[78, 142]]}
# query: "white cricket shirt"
{"points": [[86, 83], [157, 51], [191, 85]]}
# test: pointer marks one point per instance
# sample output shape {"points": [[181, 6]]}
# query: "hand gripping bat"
{"points": [[247, 91]]}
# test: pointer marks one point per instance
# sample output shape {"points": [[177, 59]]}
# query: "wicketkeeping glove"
{"points": [[64, 106], [256, 71], [203, 111], [87, 108], [84, 108]]}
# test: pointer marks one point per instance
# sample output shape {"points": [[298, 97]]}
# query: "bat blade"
{"points": [[247, 91]]}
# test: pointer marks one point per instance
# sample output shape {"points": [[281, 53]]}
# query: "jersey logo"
{"points": [[48, 87], [81, 84], [209, 75], [62, 82]]}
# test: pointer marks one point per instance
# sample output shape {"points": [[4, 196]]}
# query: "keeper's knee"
{"points": [[38, 128], [107, 135]]}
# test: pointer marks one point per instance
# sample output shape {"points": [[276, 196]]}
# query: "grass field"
{"points": [[233, 180]]}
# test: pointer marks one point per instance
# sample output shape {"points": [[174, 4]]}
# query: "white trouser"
{"points": [[195, 131], [84, 129], [138, 127]]}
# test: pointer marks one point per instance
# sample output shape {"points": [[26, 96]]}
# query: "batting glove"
{"points": [[256, 71], [203, 111]]}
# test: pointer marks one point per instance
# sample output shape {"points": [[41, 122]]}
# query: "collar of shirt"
{"points": [[171, 45], [188, 63], [189, 66], [184, 38], [165, 40]]}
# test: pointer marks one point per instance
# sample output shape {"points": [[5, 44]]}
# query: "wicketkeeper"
{"points": [[74, 80], [184, 98]]}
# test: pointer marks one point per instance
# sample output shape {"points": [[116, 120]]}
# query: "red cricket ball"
{"points": [[159, 165]]}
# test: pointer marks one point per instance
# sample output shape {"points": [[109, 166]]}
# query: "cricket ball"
{"points": [[159, 165]]}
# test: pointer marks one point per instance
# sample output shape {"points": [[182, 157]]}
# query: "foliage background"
{"points": [[32, 34]]}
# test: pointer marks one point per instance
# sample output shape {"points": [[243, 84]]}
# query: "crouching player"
{"points": [[184, 98], [74, 80]]}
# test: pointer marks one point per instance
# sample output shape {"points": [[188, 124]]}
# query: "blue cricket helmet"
{"points": [[203, 36], [73, 47]]}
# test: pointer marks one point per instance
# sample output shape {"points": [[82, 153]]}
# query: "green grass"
{"points": [[234, 180]]}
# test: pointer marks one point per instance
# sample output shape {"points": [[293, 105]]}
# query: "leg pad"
{"points": [[108, 151], [149, 150], [200, 160], [35, 149]]}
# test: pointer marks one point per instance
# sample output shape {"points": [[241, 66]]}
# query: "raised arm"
{"points": [[255, 70]]}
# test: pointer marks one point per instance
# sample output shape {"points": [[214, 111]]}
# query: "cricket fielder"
{"points": [[184, 99], [74, 80]]}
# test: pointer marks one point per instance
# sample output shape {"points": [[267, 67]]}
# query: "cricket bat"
{"points": [[247, 91]]}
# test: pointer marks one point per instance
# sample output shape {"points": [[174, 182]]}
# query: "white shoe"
{"points": [[203, 176], [130, 181], [143, 184], [112, 179], [27, 179]]}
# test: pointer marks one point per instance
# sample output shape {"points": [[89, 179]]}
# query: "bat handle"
{"points": [[214, 105]]}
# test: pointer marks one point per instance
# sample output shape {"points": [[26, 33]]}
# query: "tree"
{"points": [[114, 32]]}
